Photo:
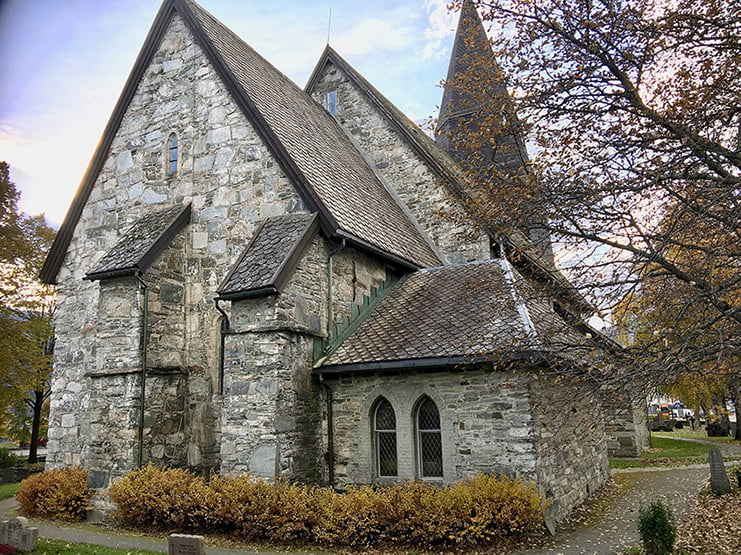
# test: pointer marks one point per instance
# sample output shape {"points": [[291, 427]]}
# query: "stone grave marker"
{"points": [[185, 544], [719, 481], [19, 534]]}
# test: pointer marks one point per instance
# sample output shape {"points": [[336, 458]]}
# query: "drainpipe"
{"points": [[142, 395], [222, 333], [330, 431], [328, 391]]}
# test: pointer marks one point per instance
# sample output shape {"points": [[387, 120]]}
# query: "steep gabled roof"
{"points": [[422, 144], [329, 173], [464, 313], [519, 246], [140, 245], [269, 259]]}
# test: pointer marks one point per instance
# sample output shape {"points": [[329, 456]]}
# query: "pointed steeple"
{"points": [[475, 98], [470, 43], [472, 64]]}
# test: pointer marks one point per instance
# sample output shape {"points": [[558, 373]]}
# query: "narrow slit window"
{"points": [[429, 440], [172, 156], [332, 102], [384, 432]]}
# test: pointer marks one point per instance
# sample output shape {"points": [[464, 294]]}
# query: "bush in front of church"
{"points": [[483, 510], [60, 493]]}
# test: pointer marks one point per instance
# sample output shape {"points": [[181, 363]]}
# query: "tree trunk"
{"points": [[36, 405]]}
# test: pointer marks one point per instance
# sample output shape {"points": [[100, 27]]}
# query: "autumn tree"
{"points": [[26, 308], [632, 113]]}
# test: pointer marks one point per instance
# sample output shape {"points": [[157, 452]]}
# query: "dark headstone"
{"points": [[184, 544], [719, 481]]}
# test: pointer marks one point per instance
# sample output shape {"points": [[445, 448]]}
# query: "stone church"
{"points": [[254, 277]]}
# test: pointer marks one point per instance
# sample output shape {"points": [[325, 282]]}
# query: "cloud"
{"points": [[441, 24]]}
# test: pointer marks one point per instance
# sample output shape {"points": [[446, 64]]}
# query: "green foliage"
{"points": [[8, 459], [60, 493], [26, 307], [60, 547], [8, 490], [483, 510], [657, 528]]}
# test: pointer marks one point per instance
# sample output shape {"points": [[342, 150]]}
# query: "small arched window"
{"points": [[384, 439], [172, 155], [429, 440]]}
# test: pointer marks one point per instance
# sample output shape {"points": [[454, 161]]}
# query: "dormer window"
{"points": [[332, 102], [172, 155]]}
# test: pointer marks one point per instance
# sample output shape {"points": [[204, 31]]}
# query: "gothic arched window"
{"points": [[384, 438], [172, 155], [429, 440]]}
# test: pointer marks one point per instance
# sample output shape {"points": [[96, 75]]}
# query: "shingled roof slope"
{"points": [[141, 243], [440, 161], [341, 180], [329, 173], [266, 262], [452, 314]]}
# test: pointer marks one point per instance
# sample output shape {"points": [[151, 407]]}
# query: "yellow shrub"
{"points": [[160, 498], [60, 493], [482, 510]]}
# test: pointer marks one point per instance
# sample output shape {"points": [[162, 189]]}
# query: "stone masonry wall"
{"points": [[232, 181], [271, 414], [625, 423], [421, 190], [485, 419], [570, 440]]}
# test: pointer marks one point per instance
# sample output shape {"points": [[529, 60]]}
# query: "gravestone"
{"points": [[17, 533], [185, 544], [719, 481]]}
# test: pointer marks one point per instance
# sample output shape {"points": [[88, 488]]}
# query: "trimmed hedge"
{"points": [[60, 493], [482, 510]]}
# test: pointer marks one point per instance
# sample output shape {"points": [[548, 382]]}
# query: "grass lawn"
{"points": [[700, 434], [8, 490], [59, 547], [667, 452]]}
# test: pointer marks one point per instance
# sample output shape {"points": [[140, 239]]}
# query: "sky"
{"points": [[63, 64]]}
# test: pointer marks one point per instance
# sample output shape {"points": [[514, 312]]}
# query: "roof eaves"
{"points": [[233, 268], [431, 363]]}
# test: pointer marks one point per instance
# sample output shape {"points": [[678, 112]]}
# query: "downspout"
{"points": [[224, 328], [328, 391], [330, 431], [142, 394]]}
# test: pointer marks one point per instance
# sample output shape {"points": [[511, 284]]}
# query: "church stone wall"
{"points": [[570, 440], [420, 189], [485, 419], [231, 180]]}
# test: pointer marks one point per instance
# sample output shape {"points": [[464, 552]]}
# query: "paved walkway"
{"points": [[615, 530]]}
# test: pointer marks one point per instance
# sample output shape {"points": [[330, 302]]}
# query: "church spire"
{"points": [[475, 98], [463, 110]]}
